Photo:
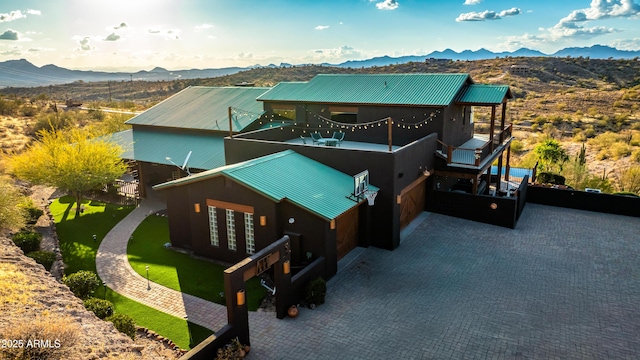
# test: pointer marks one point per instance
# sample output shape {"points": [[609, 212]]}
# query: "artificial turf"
{"points": [[76, 235], [79, 253], [180, 271]]}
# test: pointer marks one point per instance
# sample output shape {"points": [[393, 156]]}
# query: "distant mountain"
{"points": [[21, 73], [597, 52]]}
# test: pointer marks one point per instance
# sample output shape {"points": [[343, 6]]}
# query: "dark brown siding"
{"points": [[391, 172]]}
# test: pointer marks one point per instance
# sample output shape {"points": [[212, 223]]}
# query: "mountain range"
{"points": [[21, 73]]}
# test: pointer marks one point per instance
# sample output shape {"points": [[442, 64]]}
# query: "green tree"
{"points": [[551, 154], [71, 161], [12, 217]]}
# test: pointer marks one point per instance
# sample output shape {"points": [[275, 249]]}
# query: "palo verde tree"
{"points": [[71, 161], [551, 154]]}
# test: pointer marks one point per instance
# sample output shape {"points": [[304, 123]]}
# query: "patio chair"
{"points": [[338, 135], [316, 137], [304, 141]]}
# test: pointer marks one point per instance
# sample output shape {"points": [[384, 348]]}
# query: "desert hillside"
{"points": [[42, 319]]}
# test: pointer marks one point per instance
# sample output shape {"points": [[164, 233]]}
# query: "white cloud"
{"points": [[387, 5], [14, 15], [576, 23], [9, 35], [472, 2], [321, 27], [34, 12], [169, 34], [15, 51], [204, 27], [112, 37], [627, 44], [488, 15], [85, 44], [341, 53]]}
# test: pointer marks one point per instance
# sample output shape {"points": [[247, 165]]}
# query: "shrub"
{"points": [[82, 283], [102, 308], [315, 291], [549, 178], [60, 331], [124, 324], [32, 211], [45, 258], [27, 240]]}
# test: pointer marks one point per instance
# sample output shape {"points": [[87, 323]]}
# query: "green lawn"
{"points": [[76, 235], [79, 252], [179, 271]]}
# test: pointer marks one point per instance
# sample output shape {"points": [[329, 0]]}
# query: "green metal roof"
{"points": [[205, 108], [207, 150], [484, 94], [386, 89], [288, 175]]}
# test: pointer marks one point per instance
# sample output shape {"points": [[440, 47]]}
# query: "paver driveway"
{"points": [[564, 284]]}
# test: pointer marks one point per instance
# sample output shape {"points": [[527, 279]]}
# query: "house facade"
{"points": [[234, 211], [413, 134], [399, 127]]}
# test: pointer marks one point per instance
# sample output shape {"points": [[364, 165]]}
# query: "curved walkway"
{"points": [[114, 269]]}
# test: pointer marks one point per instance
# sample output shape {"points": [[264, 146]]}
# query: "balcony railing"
{"points": [[473, 156]]}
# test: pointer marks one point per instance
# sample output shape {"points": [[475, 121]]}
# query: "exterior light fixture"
{"points": [[240, 297], [493, 206], [292, 220], [196, 207], [286, 267], [263, 220]]}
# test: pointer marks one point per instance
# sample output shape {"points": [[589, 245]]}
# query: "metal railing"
{"points": [[474, 156]]}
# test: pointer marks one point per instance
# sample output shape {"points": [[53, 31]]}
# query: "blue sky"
{"points": [[141, 34]]}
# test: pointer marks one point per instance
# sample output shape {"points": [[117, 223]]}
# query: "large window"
{"points": [[284, 111], [213, 226], [248, 231], [344, 114], [231, 229]]}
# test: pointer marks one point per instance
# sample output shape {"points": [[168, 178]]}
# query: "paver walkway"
{"points": [[114, 269]]}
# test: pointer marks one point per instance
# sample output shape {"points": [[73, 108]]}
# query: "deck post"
{"points": [[499, 184], [389, 131], [493, 127], [508, 167]]}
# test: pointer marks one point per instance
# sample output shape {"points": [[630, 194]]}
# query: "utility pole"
{"points": [[109, 82]]}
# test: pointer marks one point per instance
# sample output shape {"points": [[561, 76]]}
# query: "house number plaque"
{"points": [[262, 265]]}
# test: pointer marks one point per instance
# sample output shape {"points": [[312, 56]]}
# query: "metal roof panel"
{"points": [[484, 94], [385, 89], [205, 108], [155, 146], [288, 175]]}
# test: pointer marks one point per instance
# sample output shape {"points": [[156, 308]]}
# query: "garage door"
{"points": [[412, 201], [347, 232]]}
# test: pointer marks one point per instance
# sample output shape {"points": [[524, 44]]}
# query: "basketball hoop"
{"points": [[371, 196]]}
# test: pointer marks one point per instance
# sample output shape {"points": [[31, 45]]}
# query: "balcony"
{"points": [[477, 151]]}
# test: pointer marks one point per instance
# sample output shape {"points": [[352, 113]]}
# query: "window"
{"points": [[248, 230], [231, 229], [213, 226], [344, 114], [285, 111]]}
